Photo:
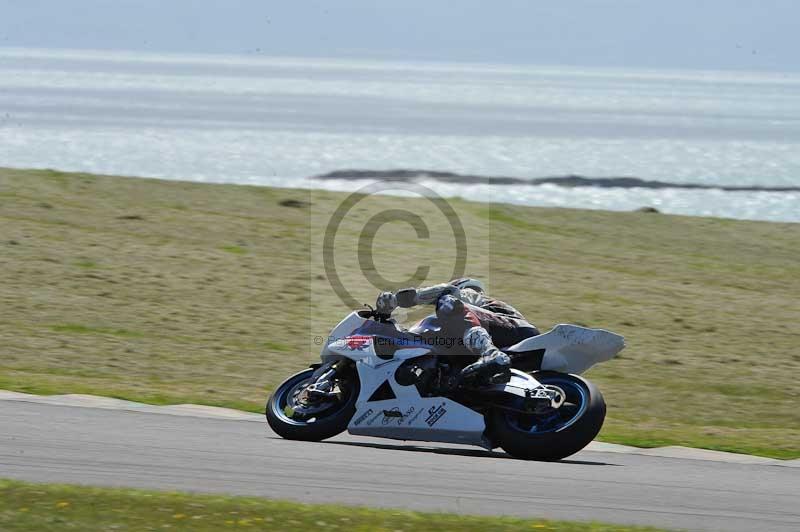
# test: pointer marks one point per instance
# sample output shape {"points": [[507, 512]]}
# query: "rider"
{"points": [[466, 313]]}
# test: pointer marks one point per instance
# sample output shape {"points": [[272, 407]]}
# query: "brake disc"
{"points": [[301, 403]]}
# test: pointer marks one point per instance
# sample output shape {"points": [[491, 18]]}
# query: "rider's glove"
{"points": [[386, 303], [407, 297]]}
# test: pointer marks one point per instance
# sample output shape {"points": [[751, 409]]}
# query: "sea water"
{"points": [[278, 121]]}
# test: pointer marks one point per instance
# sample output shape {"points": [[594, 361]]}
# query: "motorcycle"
{"points": [[377, 379]]}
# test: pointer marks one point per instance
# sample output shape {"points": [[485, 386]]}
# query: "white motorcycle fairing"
{"points": [[571, 348], [387, 409]]}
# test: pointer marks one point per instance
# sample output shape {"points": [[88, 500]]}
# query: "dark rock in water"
{"points": [[569, 181], [294, 203], [647, 209], [130, 217]]}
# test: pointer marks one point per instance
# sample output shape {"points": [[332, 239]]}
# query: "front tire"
{"points": [[556, 435], [323, 421]]}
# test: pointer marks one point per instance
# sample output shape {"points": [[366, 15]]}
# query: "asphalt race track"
{"points": [[51, 443]]}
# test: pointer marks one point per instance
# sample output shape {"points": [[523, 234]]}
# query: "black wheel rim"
{"points": [[574, 407]]}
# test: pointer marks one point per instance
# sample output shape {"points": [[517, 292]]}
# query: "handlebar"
{"points": [[374, 314]]}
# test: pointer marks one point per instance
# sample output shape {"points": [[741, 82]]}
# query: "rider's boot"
{"points": [[493, 366], [494, 369]]}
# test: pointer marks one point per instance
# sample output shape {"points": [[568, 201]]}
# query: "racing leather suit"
{"points": [[483, 324]]}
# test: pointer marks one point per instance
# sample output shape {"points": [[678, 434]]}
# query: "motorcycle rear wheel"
{"points": [[325, 422], [558, 434]]}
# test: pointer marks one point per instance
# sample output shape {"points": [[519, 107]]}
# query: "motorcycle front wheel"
{"points": [[292, 415], [552, 434]]}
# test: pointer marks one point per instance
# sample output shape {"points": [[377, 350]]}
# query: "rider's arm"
{"points": [[409, 297]]}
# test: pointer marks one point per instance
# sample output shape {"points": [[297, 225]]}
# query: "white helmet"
{"points": [[467, 282]]}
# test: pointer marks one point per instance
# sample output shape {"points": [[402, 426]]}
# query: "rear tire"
{"points": [[326, 424], [560, 442]]}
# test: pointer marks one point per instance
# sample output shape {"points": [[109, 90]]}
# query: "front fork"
{"points": [[323, 381]]}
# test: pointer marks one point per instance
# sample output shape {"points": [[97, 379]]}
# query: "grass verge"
{"points": [[174, 292], [54, 507]]}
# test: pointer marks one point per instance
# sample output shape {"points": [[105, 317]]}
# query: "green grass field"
{"points": [[26, 507], [174, 292]]}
